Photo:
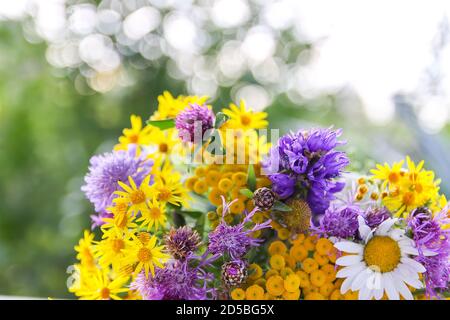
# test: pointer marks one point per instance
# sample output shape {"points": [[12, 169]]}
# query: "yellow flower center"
{"points": [[133, 138], [104, 293], [408, 198], [393, 177], [137, 196], [117, 245], [383, 253], [418, 187], [163, 147], [121, 207], [144, 255], [155, 213], [164, 194], [245, 120]]}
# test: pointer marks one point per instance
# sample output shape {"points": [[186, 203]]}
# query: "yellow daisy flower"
{"points": [[403, 190], [169, 188], [169, 107], [165, 144], [101, 287], [134, 196], [243, 118], [84, 250], [121, 221], [388, 174], [110, 251], [137, 134], [145, 255], [155, 216]]}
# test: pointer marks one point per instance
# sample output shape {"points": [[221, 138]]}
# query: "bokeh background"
{"points": [[71, 73]]}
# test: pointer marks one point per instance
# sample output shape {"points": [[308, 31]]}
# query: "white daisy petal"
{"points": [[350, 271], [418, 267], [415, 283], [350, 247], [407, 271], [345, 286], [397, 234], [349, 260], [365, 293], [409, 250], [406, 241], [401, 286], [364, 229], [385, 226], [429, 253], [390, 287], [361, 280], [378, 292]]}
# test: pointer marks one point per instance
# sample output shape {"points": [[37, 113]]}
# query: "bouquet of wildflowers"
{"points": [[194, 204]]}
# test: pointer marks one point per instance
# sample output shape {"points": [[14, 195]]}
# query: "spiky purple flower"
{"points": [[306, 163], [108, 169], [178, 280], [433, 244], [235, 240], [339, 221], [374, 216], [182, 242], [194, 121]]}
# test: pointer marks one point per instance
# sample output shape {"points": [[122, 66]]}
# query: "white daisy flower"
{"points": [[382, 263]]}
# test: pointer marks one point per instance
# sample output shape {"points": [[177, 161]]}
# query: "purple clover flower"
{"points": [[108, 169], [306, 163], [433, 244], [339, 221], [178, 280], [193, 121], [234, 240], [374, 216]]}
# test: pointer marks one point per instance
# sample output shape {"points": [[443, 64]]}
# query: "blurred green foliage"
{"points": [[48, 131]]}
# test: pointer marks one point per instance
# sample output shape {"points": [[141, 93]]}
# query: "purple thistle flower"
{"points": [[307, 165], [178, 280], [182, 242], [339, 221], [235, 240], [193, 121], [433, 244], [108, 169], [374, 216]]}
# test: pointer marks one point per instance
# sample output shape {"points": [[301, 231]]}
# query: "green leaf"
{"points": [[280, 206], [251, 178], [193, 214], [247, 192], [221, 118], [178, 219], [162, 124], [200, 225]]}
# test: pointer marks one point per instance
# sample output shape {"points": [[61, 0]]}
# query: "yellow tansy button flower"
{"points": [[254, 292]]}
